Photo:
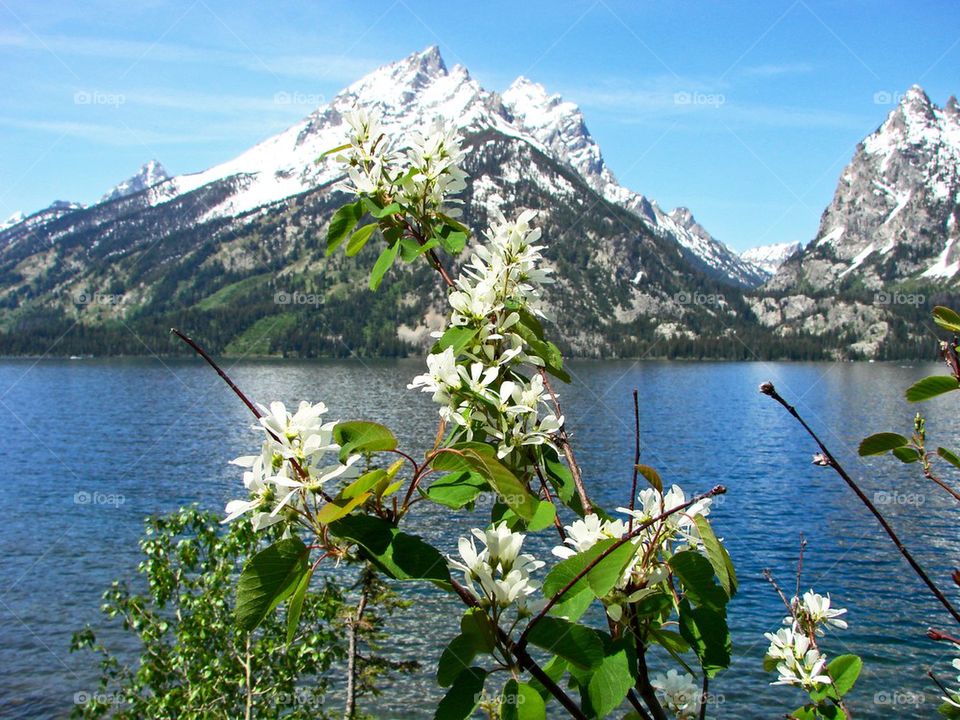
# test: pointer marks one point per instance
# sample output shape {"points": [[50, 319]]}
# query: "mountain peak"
{"points": [[149, 174], [428, 61], [952, 108]]}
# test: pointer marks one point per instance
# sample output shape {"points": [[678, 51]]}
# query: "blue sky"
{"points": [[746, 112]]}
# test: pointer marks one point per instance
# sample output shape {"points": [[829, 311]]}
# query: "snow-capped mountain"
{"points": [[409, 94], [14, 219], [559, 125], [894, 215], [150, 174], [770, 257]]}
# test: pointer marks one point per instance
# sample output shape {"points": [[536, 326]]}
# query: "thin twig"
{"points": [[524, 659], [768, 389], [567, 449], [636, 456]]}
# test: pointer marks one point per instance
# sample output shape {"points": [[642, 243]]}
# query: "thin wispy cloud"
{"points": [[332, 67], [772, 70]]}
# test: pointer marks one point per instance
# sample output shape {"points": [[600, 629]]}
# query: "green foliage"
{"points": [[930, 387], [194, 658], [269, 578], [360, 436]]}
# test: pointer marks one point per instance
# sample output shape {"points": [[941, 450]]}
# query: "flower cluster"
{"points": [[679, 694], [424, 177], [500, 569], [485, 392], [793, 648], [648, 566], [293, 466]]}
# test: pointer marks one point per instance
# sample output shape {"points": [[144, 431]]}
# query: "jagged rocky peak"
{"points": [[149, 174], [559, 126], [892, 217]]}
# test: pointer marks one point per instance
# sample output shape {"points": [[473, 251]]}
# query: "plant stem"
{"points": [[353, 629], [646, 690], [636, 455], [768, 389], [524, 660], [564, 443]]}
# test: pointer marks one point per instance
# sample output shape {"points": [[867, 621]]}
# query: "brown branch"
{"points": [[767, 388], [636, 454], [928, 473], [523, 658], [567, 449]]}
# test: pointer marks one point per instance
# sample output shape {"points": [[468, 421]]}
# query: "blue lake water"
{"points": [[90, 447]]}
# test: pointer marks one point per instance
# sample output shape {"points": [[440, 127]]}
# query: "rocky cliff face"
{"points": [[894, 215]]}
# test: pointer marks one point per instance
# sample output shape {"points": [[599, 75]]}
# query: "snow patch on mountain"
{"points": [[771, 257], [150, 174], [15, 219]]}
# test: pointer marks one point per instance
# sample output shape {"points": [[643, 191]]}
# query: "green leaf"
{"points": [[360, 436], [463, 696], [706, 631], [576, 644], [574, 606], [380, 212], [451, 239], [948, 710], [483, 460], [906, 454], [521, 702], [401, 556], [609, 684], [880, 443], [696, 574], [331, 151], [845, 669], [366, 482], [269, 578], [383, 263], [718, 556], [543, 516], [807, 712], [456, 337], [561, 478], [545, 350], [359, 239], [340, 507], [651, 476], [455, 659], [457, 489], [410, 249], [949, 456], [477, 626], [946, 318], [341, 224], [296, 605], [601, 579], [931, 387]]}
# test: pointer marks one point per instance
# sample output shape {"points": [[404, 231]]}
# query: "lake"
{"points": [[92, 446]]}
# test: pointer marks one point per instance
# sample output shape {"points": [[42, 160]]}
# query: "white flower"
{"points": [[300, 434], [261, 493], [680, 525], [584, 533], [502, 572], [680, 693], [816, 609], [442, 377], [806, 670]]}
